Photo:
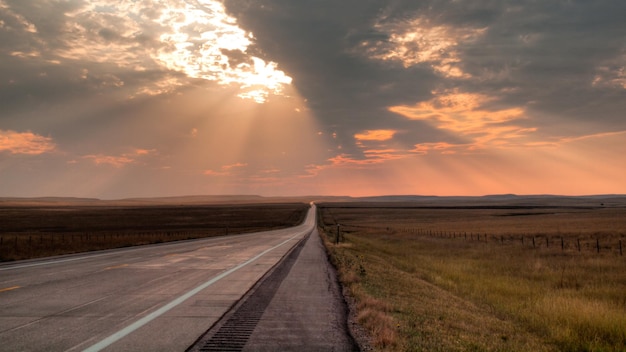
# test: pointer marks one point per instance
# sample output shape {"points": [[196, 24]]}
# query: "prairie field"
{"points": [[39, 231], [483, 278]]}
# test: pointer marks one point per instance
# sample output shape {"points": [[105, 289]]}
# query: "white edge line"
{"points": [[49, 262], [148, 318], [114, 251]]}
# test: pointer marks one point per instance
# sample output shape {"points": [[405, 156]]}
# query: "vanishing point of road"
{"points": [[264, 291]]}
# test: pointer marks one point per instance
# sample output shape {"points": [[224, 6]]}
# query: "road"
{"points": [[151, 298]]}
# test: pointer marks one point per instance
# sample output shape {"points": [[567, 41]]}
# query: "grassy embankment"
{"points": [[447, 292], [39, 231]]}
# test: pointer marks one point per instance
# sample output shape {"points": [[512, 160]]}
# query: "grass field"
{"points": [[39, 231], [461, 279]]}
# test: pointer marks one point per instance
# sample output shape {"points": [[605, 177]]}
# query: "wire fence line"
{"points": [[599, 243], [15, 246]]}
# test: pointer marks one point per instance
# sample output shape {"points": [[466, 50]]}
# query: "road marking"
{"points": [[10, 288], [308, 221], [116, 266], [112, 252], [48, 262], [148, 318]]}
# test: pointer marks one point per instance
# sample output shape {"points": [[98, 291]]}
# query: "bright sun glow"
{"points": [[207, 43], [196, 38]]}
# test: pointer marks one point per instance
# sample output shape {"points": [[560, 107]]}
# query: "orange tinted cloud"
{"points": [[375, 135], [235, 165], [459, 112], [372, 157], [144, 151], [116, 161], [441, 147], [225, 170], [592, 136], [382, 155], [466, 115], [25, 143], [119, 160]]}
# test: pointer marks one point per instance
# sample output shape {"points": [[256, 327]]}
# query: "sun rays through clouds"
{"points": [[180, 39], [110, 99]]}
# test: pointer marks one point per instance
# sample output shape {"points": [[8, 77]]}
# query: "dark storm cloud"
{"points": [[549, 51], [313, 41], [541, 56], [36, 67]]}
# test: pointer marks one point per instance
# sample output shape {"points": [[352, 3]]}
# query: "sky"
{"points": [[146, 98]]}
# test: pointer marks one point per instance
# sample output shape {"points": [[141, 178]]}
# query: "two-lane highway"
{"points": [[156, 298]]}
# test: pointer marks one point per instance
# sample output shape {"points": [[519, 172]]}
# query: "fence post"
{"points": [[562, 244], [533, 241], [598, 245], [578, 243], [620, 248]]}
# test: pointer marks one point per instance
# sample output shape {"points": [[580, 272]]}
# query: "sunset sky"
{"points": [[140, 98]]}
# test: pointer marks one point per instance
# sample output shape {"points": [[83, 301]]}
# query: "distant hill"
{"points": [[505, 199], [175, 200], [606, 200], [36, 201]]}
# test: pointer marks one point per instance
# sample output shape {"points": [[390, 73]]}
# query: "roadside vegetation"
{"points": [[424, 280], [40, 231]]}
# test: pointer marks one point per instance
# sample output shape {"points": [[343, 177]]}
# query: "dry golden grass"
{"points": [[452, 294]]}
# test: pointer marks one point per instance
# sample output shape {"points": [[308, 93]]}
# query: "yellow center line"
{"points": [[116, 267], [9, 288]]}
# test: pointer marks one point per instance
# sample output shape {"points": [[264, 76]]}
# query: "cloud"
{"points": [[232, 166], [25, 143], [467, 115], [611, 73], [394, 87], [196, 39], [139, 152], [115, 161], [375, 135], [119, 161], [442, 148], [347, 161], [420, 41], [14, 21], [225, 170]]}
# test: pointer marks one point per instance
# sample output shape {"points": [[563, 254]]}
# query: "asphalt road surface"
{"points": [[151, 298], [297, 307]]}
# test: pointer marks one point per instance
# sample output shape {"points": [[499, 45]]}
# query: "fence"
{"points": [[598, 244], [15, 246]]}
